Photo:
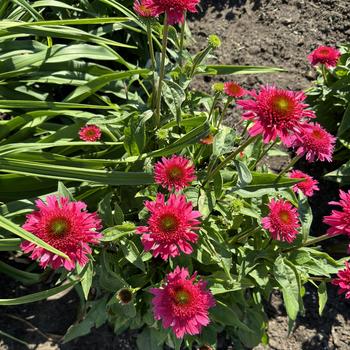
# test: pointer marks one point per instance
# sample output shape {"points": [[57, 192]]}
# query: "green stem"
{"points": [[230, 158], [291, 163], [245, 129], [229, 100], [316, 240], [182, 37], [324, 73], [262, 155], [150, 45], [213, 107], [162, 69]]}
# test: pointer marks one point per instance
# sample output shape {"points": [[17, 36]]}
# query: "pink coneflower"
{"points": [[308, 186], [314, 142], [170, 227], [339, 220], [282, 221], [90, 133], [175, 9], [208, 140], [326, 55], [275, 112], [141, 8], [343, 281], [234, 90], [176, 172], [66, 226], [182, 303]]}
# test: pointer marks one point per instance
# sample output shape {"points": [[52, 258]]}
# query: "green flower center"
{"points": [[182, 297], [168, 223], [285, 217], [175, 173], [59, 227], [282, 104]]}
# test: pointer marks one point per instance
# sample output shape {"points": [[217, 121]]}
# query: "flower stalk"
{"points": [[161, 70]]}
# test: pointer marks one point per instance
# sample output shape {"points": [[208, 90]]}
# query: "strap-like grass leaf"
{"points": [[31, 298], [106, 177]]}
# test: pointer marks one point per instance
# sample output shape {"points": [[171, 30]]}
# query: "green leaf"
{"points": [[64, 192], [151, 339], [86, 278], [20, 275], [106, 177], [116, 232], [9, 244], [288, 280], [132, 254], [105, 211], [219, 69], [305, 216], [31, 298], [174, 96], [244, 175], [322, 297], [226, 316], [95, 318], [84, 91], [19, 231], [341, 175]]}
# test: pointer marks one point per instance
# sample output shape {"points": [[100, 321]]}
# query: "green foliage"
{"points": [[65, 65]]}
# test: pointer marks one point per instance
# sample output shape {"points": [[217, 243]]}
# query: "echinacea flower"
{"points": [[176, 172], [64, 225], [175, 9], [282, 221], [234, 90], [90, 133], [308, 186], [170, 227], [141, 8], [182, 303], [339, 221], [343, 281], [275, 112], [326, 55], [314, 142]]}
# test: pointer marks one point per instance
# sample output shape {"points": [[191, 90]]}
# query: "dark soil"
{"points": [[277, 33]]}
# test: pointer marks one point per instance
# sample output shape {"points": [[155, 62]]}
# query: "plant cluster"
{"points": [[120, 179]]}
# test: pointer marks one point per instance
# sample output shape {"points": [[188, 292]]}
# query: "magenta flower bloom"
{"points": [[308, 186], [339, 221], [275, 113], [282, 221], [343, 281], [90, 133], [175, 9], [141, 8], [182, 303], [234, 90], [326, 55], [314, 142], [64, 225], [170, 227], [176, 172]]}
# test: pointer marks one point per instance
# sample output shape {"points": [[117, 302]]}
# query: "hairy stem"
{"points": [[162, 70]]}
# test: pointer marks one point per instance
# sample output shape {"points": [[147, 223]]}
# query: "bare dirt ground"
{"points": [[253, 32]]}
